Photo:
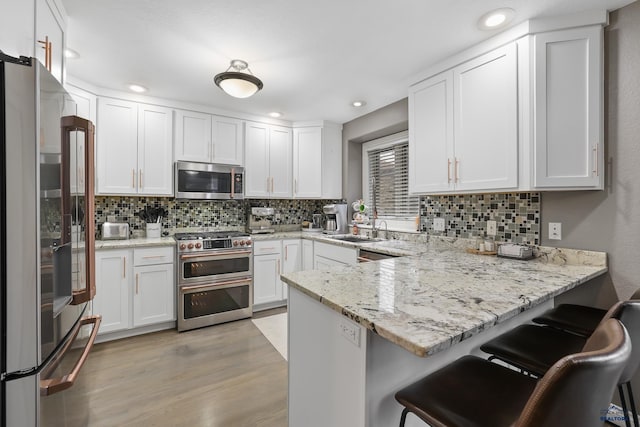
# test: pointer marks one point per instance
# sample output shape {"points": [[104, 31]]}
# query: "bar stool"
{"points": [[473, 392], [535, 349], [578, 319]]}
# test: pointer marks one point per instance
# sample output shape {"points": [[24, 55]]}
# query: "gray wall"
{"points": [[386, 121], [609, 220]]}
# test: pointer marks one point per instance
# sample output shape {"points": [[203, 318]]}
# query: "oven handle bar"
{"points": [[212, 284], [55, 385], [215, 254]]}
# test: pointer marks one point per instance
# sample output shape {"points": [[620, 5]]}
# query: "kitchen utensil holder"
{"points": [[153, 229]]}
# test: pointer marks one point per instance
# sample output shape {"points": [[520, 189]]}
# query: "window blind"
{"points": [[389, 167]]}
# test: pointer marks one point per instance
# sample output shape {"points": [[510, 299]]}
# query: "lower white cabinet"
{"points": [[307, 255], [291, 261], [270, 259], [326, 255], [134, 287]]}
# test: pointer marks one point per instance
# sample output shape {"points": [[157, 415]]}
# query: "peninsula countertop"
{"points": [[428, 302]]}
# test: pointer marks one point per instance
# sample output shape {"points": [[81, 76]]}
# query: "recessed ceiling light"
{"points": [[71, 54], [275, 114], [496, 19], [358, 103], [137, 88]]}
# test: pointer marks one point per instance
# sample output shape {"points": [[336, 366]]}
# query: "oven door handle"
{"points": [[215, 255], [214, 284], [55, 385]]}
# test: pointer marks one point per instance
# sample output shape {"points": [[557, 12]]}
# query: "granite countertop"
{"points": [[428, 302], [135, 243]]}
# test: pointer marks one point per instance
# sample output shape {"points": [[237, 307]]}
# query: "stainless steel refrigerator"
{"points": [[46, 247]]}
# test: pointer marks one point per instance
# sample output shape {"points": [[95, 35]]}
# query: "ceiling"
{"points": [[314, 57]]}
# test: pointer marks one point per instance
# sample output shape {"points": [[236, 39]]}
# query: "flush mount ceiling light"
{"points": [[137, 88], [496, 19], [275, 114], [238, 81], [358, 103]]}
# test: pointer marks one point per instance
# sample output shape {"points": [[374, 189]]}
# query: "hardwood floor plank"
{"points": [[224, 375]]}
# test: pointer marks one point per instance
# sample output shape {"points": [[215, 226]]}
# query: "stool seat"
{"points": [[533, 348], [578, 319], [483, 394]]}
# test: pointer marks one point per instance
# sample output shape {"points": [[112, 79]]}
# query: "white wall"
{"points": [[17, 27]]}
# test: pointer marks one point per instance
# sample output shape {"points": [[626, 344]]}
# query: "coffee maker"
{"points": [[335, 221], [258, 220]]}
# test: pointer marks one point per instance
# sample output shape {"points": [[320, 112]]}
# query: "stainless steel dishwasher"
{"points": [[368, 256]]}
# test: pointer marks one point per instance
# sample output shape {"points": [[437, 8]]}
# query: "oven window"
{"points": [[196, 269], [190, 181], [215, 301]]}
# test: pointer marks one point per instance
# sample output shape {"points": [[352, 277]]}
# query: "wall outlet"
{"points": [[438, 224], [350, 331], [491, 228], [555, 231]]}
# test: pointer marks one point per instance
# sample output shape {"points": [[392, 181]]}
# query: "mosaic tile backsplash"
{"points": [[202, 213], [517, 215]]}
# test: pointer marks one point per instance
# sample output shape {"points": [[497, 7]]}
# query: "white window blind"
{"points": [[389, 171]]}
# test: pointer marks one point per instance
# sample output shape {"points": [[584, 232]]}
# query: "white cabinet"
{"points": [[134, 288], [291, 260], [17, 29], [134, 148], [267, 260], [463, 132], [317, 162], [113, 277], [268, 161], [205, 138], [85, 108], [326, 255], [569, 132], [307, 255], [50, 41]]}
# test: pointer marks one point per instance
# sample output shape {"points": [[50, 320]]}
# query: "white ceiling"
{"points": [[314, 57]]}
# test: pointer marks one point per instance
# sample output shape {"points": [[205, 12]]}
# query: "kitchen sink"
{"points": [[356, 239]]}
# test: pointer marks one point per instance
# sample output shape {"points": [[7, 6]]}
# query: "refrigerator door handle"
{"points": [[55, 385]]}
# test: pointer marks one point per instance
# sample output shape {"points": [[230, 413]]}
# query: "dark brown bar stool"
{"points": [[578, 319], [535, 349], [474, 392]]}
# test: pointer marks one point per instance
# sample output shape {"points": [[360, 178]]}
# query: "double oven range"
{"points": [[215, 278]]}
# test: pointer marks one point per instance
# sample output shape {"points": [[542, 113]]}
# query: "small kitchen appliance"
{"points": [[209, 181], [335, 218], [258, 221], [215, 278], [115, 231]]}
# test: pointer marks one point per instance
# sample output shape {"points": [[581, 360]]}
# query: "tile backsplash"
{"points": [[517, 215], [202, 213]]}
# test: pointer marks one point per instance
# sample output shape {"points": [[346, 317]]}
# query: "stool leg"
{"points": [[623, 402], [632, 403], [403, 417]]}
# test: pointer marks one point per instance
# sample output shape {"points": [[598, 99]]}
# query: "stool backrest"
{"points": [[577, 389]]}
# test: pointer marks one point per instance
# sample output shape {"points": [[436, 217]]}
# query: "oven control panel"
{"points": [[214, 244]]}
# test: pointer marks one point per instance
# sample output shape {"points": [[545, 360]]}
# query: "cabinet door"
{"points": [[431, 135], [280, 162], [153, 294], [228, 143], [48, 27], [568, 143], [117, 147], [155, 150], [486, 121], [291, 260], [193, 136], [113, 272], [267, 286], [307, 255], [307, 162], [323, 263], [257, 178]]}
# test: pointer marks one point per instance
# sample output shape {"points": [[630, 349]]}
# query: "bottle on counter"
{"points": [[489, 244], [355, 229]]}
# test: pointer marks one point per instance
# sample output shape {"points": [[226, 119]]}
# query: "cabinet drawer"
{"points": [[266, 247], [150, 256]]}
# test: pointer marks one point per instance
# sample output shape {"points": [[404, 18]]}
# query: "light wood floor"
{"points": [[226, 375]]}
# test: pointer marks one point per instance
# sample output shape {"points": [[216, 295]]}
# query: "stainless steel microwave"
{"points": [[208, 181]]}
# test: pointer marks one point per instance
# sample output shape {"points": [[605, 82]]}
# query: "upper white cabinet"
{"points": [[49, 40], [205, 138], [463, 126], [268, 161], [317, 162], [134, 148], [569, 135]]}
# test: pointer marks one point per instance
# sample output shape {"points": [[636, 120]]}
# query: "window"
{"points": [[386, 163]]}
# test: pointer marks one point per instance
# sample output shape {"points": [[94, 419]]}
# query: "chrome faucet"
{"points": [[374, 230]]}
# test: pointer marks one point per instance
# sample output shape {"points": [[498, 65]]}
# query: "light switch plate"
{"points": [[438, 224], [555, 231], [491, 228]]}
